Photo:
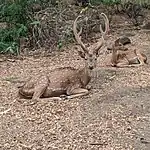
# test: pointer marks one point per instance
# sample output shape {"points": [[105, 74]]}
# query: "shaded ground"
{"points": [[114, 116]]}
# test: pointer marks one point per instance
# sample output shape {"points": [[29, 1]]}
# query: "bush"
{"points": [[45, 23], [15, 16], [24, 18]]}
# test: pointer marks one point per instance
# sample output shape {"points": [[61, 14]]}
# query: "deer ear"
{"points": [[82, 54], [117, 42], [97, 52]]}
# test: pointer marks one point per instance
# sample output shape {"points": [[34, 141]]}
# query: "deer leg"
{"points": [[129, 63], [40, 87], [77, 93], [27, 90], [114, 58], [140, 58], [123, 64]]}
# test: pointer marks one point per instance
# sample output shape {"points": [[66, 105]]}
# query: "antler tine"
{"points": [[77, 35], [106, 24], [101, 41]]}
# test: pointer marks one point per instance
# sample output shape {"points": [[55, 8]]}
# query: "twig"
{"points": [[4, 112], [25, 146], [99, 144]]}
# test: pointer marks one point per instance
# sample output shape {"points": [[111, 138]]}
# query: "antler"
{"points": [[77, 35], [101, 41], [106, 24]]}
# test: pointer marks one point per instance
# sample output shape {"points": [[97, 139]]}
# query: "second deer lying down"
{"points": [[122, 57], [66, 81]]}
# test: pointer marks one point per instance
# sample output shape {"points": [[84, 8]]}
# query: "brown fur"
{"points": [[122, 57], [66, 81], [52, 86]]}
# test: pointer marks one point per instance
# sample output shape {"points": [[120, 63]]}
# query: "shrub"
{"points": [[45, 23], [15, 16]]}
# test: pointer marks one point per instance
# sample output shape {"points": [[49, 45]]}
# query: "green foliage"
{"points": [[9, 38], [115, 2], [51, 25], [14, 15], [20, 21], [111, 2], [106, 2]]}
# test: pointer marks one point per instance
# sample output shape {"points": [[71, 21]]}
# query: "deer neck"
{"points": [[114, 54], [85, 75]]}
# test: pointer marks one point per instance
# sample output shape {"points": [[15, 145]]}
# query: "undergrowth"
{"points": [[44, 23]]}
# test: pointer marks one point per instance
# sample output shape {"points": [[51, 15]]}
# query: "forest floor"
{"points": [[114, 116]]}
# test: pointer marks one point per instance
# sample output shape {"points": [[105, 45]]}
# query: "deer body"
{"points": [[122, 57], [62, 81], [67, 80]]}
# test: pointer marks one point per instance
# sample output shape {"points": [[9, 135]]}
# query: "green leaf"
{"points": [[35, 22]]}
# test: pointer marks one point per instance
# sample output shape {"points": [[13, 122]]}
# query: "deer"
{"points": [[67, 82], [124, 57]]}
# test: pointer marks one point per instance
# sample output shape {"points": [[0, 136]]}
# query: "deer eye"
{"points": [[90, 55], [85, 58]]}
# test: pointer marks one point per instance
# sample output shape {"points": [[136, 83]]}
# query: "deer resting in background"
{"points": [[66, 81], [122, 57]]}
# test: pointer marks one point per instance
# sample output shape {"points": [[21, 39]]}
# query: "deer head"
{"points": [[90, 55], [119, 46]]}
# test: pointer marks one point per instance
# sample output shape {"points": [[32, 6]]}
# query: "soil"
{"points": [[114, 116]]}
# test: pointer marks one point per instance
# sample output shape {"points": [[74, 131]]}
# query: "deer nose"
{"points": [[91, 67]]}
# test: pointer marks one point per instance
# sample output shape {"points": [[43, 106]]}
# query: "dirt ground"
{"points": [[114, 116]]}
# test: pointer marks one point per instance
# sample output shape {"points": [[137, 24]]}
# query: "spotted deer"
{"points": [[67, 81], [124, 57]]}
